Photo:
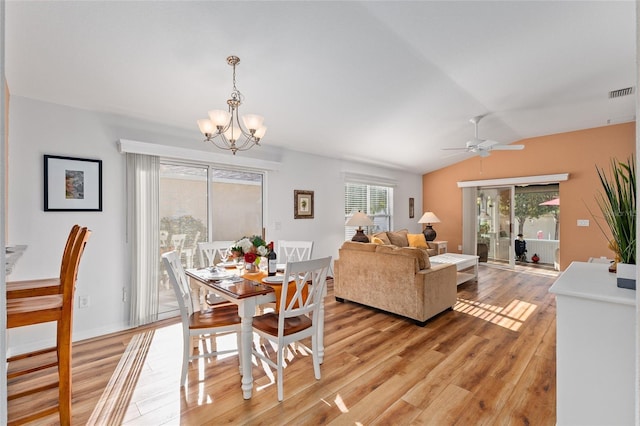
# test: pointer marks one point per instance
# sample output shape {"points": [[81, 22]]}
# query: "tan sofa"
{"points": [[394, 279]]}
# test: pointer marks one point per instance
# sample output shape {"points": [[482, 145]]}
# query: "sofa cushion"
{"points": [[417, 240], [419, 254], [354, 245], [399, 238], [387, 249], [425, 256], [383, 236]]}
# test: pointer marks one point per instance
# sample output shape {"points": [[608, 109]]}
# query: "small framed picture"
{"points": [[302, 204], [72, 184], [411, 209]]}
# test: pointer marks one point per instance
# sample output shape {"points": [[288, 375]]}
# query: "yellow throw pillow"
{"points": [[417, 240], [376, 240], [383, 237]]}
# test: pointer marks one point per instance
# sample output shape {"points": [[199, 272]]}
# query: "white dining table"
{"points": [[247, 295]]}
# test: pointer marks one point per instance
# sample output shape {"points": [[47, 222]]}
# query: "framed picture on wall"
{"points": [[411, 208], [302, 204], [72, 184]]}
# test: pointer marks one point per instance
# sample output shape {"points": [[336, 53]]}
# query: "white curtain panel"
{"points": [[143, 225], [469, 219]]}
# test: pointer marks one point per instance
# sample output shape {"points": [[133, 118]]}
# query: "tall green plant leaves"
{"points": [[618, 206]]}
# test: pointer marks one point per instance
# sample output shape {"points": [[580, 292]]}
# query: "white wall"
{"points": [[39, 128], [3, 299]]}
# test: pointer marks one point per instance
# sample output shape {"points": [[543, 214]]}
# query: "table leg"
{"points": [[246, 311]]}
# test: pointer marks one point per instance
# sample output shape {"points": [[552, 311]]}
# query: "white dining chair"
{"points": [[293, 251], [197, 324], [190, 252], [164, 238], [177, 242], [211, 252], [299, 316]]}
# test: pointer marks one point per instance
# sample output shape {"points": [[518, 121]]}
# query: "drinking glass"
{"points": [[224, 255], [240, 266]]}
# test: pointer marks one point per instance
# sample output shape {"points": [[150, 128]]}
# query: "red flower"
{"points": [[250, 257]]}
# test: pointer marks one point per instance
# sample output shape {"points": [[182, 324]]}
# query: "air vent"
{"points": [[620, 92]]}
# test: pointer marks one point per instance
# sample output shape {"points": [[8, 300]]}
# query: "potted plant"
{"points": [[618, 205]]}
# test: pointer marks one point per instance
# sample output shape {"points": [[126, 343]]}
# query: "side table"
{"points": [[440, 246]]}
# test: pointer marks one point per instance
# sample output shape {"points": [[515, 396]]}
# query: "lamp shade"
{"points": [[206, 126], [429, 217], [219, 118], [359, 219], [252, 121]]}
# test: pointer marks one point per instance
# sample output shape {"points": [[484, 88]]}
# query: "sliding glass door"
{"points": [[183, 222], [202, 203], [495, 224], [236, 204]]}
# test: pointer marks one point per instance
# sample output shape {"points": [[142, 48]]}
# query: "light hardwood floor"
{"points": [[490, 361]]}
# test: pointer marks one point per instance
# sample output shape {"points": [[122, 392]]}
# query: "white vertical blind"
{"points": [[469, 219], [143, 225]]}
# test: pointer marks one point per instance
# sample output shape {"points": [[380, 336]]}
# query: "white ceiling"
{"points": [[383, 82]]}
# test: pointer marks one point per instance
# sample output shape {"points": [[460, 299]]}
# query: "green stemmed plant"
{"points": [[618, 205]]}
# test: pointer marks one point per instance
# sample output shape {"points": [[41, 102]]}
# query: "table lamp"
{"points": [[359, 219], [429, 218]]}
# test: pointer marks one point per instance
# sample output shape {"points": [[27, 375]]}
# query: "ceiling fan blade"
{"points": [[507, 147], [486, 144], [454, 149]]}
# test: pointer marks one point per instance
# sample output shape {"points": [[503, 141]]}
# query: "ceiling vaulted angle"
{"points": [[223, 128]]}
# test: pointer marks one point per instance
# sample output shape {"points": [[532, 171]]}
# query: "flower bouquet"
{"points": [[250, 250]]}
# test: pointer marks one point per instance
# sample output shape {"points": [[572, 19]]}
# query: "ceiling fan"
{"points": [[483, 147]]}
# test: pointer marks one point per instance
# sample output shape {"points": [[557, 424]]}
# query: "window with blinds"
{"points": [[374, 200]]}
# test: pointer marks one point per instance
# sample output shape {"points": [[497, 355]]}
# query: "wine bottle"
{"points": [[273, 263]]}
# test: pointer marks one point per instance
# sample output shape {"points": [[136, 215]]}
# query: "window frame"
{"points": [[351, 207]]}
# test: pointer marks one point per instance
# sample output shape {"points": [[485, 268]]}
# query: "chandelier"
{"points": [[223, 128]]}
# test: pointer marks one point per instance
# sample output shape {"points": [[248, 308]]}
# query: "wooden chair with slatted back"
{"points": [[41, 309], [43, 286]]}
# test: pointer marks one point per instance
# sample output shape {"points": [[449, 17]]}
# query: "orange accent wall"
{"points": [[577, 153]]}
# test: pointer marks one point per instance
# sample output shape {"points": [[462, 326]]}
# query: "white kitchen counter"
{"points": [[595, 347]]}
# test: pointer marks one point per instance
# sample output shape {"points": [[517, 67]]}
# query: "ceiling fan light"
{"points": [[252, 121], [219, 118]]}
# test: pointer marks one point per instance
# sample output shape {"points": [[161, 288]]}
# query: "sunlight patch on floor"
{"points": [[511, 316], [114, 401]]}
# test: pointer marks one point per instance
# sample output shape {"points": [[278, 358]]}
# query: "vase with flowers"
{"points": [[250, 250], [618, 206]]}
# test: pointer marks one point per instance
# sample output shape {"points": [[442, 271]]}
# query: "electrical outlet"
{"points": [[124, 294], [459, 248], [583, 222], [83, 302]]}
